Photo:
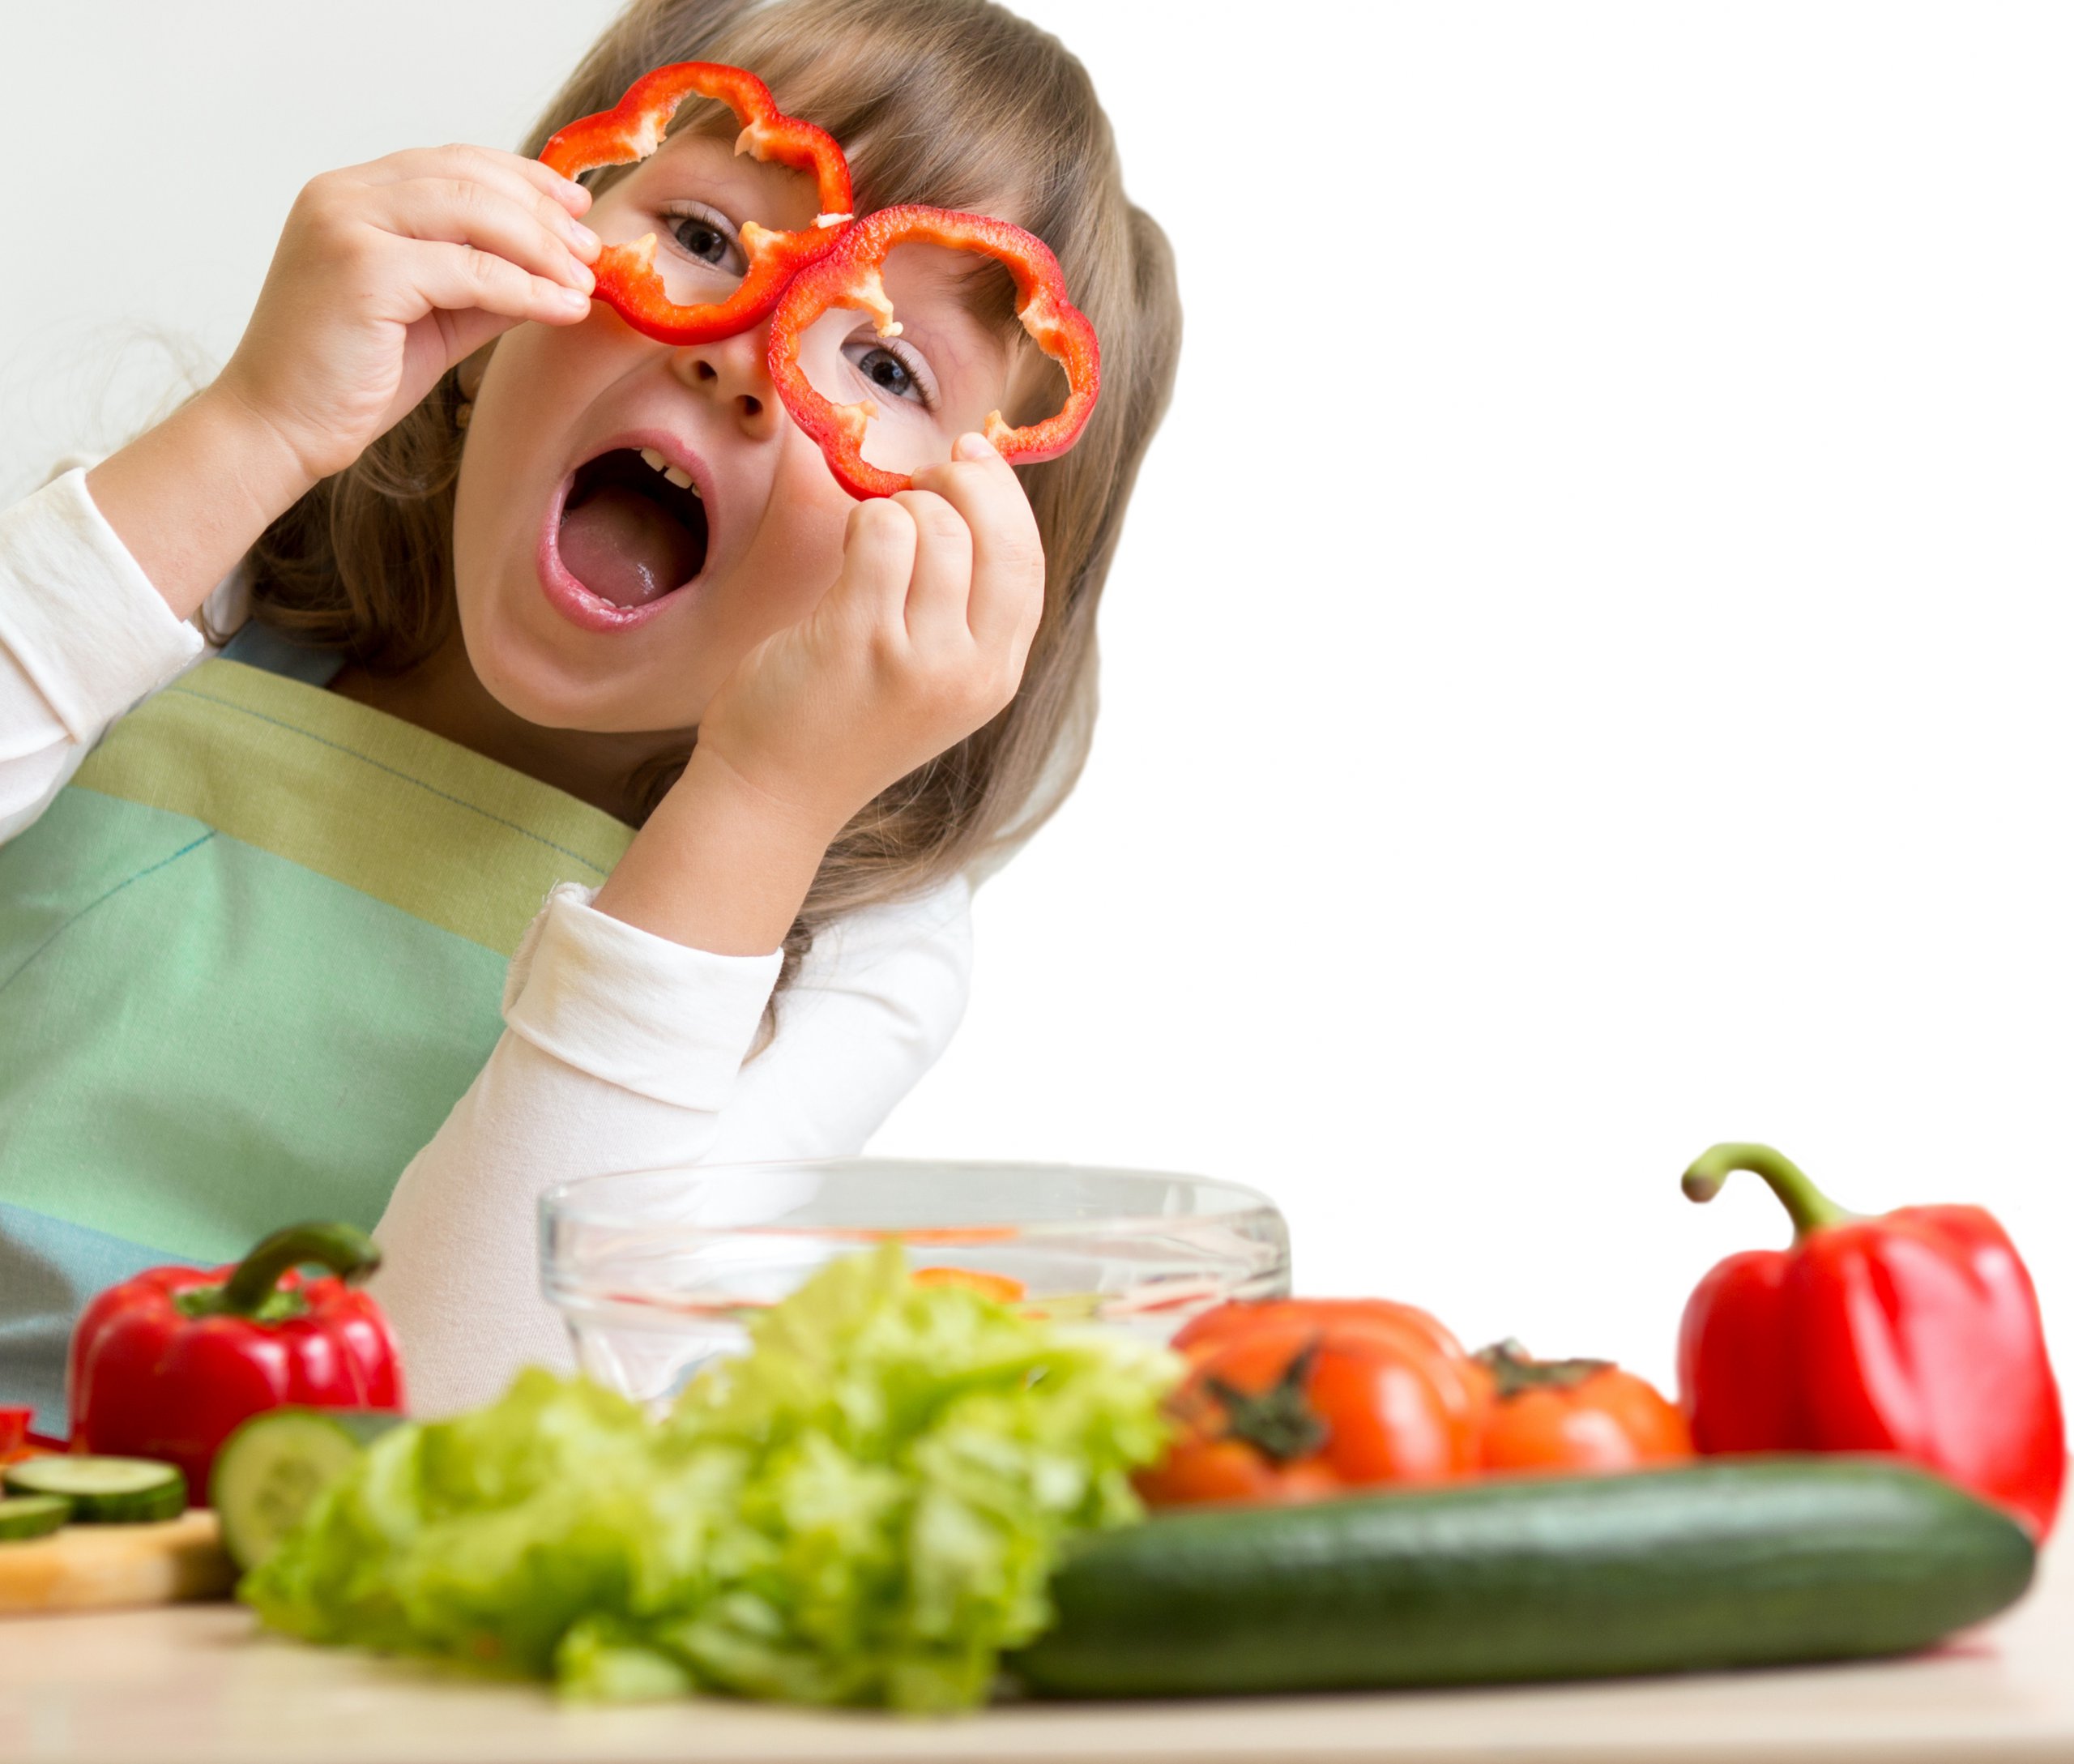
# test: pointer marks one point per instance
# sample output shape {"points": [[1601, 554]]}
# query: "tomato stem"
{"points": [[1279, 1422], [1514, 1371]]}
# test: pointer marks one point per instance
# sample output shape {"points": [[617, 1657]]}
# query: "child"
{"points": [[273, 945]]}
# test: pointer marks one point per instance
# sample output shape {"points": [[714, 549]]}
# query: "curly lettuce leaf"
{"points": [[866, 1508]]}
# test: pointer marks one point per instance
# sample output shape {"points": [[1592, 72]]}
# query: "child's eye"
{"points": [[706, 237], [891, 368]]}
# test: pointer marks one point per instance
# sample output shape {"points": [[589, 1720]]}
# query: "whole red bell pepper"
{"points": [[1915, 1332], [168, 1363]]}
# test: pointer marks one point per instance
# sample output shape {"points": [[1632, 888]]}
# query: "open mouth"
{"points": [[633, 528]]}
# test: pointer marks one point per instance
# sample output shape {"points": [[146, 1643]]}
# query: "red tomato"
{"points": [[1298, 1408], [1577, 1414], [1224, 1321]]}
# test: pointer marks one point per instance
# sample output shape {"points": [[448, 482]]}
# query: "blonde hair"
{"points": [[956, 103]]}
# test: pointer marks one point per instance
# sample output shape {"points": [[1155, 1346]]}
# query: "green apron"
{"points": [[249, 958]]}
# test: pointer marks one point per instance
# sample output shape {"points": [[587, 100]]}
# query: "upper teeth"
{"points": [[675, 474]]}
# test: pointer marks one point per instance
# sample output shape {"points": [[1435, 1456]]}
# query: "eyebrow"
{"points": [[990, 338], [978, 291]]}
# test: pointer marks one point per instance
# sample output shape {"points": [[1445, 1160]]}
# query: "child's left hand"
{"points": [[921, 640]]}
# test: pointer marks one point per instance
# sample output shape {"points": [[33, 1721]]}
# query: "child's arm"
{"points": [[84, 635], [386, 275], [623, 1056]]}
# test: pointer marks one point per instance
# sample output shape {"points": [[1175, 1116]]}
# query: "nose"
{"points": [[734, 373]]}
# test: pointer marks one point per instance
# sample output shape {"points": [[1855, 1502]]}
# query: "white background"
{"points": [[1587, 672]]}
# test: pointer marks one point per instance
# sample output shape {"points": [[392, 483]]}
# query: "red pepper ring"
{"points": [[852, 276], [634, 128]]}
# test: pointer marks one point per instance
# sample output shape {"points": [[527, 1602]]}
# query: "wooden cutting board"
{"points": [[95, 1567]]}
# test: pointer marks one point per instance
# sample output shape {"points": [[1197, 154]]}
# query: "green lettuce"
{"points": [[865, 1509]]}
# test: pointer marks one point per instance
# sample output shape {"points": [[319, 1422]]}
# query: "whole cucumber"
{"points": [[1736, 1563]]}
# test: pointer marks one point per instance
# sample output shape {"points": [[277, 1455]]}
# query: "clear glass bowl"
{"points": [[656, 1272]]}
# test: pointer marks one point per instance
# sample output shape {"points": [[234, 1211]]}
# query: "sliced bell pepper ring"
{"points": [[852, 275], [1003, 1289], [627, 280]]}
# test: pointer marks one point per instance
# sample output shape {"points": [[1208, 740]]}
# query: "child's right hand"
{"points": [[920, 641], [922, 638], [387, 274]]}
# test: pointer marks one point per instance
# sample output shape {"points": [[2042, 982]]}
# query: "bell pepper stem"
{"points": [[348, 1251], [1808, 1207]]}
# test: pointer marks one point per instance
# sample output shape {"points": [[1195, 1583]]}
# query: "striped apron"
{"points": [[251, 956]]}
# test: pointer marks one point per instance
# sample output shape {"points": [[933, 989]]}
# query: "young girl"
{"points": [[523, 607]]}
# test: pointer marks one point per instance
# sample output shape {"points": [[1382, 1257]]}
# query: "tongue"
{"points": [[625, 548]]}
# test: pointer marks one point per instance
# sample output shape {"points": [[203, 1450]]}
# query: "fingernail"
{"points": [[587, 243], [572, 300], [570, 183], [973, 446], [585, 281]]}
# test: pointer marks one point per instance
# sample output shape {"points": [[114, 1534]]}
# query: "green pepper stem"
{"points": [[347, 1250], [1806, 1205]]}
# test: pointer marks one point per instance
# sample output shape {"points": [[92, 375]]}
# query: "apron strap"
{"points": [[261, 646]]}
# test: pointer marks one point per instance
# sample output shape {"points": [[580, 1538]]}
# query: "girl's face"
{"points": [[597, 593]]}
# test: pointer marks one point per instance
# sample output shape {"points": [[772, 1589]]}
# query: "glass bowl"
{"points": [[657, 1271]]}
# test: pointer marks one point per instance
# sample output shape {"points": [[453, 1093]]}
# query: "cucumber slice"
{"points": [[104, 1490], [32, 1515], [274, 1466]]}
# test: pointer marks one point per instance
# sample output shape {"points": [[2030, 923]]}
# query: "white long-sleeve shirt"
{"points": [[621, 1050]]}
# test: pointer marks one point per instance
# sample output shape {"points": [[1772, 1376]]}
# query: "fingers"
{"points": [[461, 278], [513, 173], [456, 229], [942, 580], [461, 334], [533, 234], [879, 545], [959, 564], [1007, 597]]}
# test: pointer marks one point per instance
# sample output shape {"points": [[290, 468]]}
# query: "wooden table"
{"points": [[195, 1683]]}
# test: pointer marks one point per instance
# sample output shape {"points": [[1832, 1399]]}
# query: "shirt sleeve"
{"points": [[83, 636], [624, 1051]]}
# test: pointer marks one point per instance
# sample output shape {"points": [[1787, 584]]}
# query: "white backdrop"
{"points": [[1585, 676]]}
